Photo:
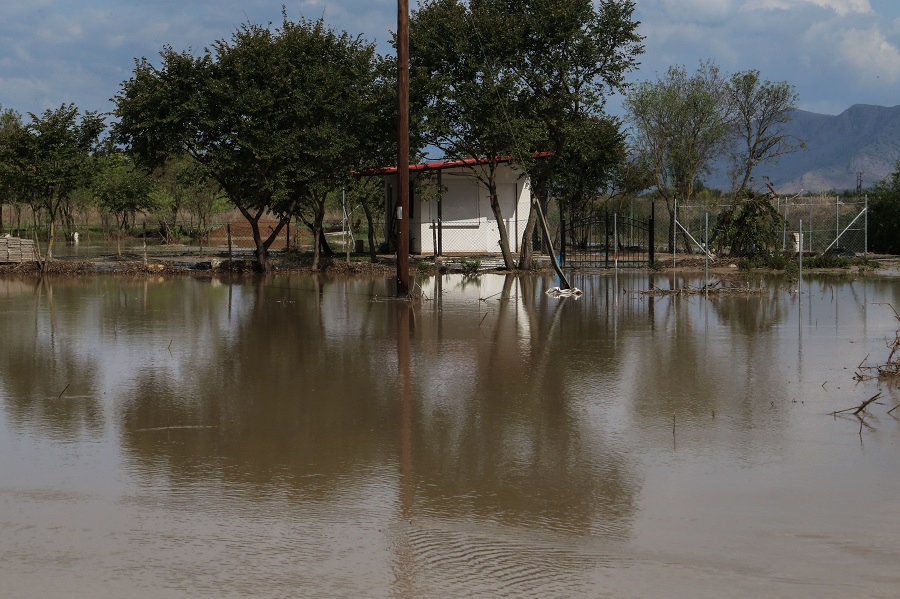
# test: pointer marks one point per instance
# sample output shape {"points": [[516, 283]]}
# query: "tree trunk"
{"points": [[563, 281], [670, 237], [317, 231], [526, 251], [318, 235], [501, 227], [324, 246], [370, 221], [262, 256], [49, 255]]}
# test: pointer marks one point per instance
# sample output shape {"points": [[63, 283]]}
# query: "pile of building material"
{"points": [[13, 249]]}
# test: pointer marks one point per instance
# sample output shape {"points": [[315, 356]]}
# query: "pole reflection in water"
{"points": [[405, 558]]}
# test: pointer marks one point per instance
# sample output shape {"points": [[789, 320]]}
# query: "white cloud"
{"points": [[701, 12], [870, 54], [840, 7]]}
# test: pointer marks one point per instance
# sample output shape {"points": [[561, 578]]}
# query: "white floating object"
{"points": [[557, 292]]}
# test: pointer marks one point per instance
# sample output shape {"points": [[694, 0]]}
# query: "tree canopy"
{"points": [[54, 157], [680, 123], [683, 123], [523, 79], [884, 220], [272, 115], [760, 110]]}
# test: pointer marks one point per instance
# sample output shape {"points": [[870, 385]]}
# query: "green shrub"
{"points": [[884, 215], [470, 266], [770, 260], [828, 261]]}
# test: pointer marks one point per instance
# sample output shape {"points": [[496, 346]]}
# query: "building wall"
{"points": [[469, 225]]}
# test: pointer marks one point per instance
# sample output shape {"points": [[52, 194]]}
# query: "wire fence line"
{"points": [[834, 224], [829, 224]]}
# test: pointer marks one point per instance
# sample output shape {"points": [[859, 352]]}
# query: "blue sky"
{"points": [[836, 52]]}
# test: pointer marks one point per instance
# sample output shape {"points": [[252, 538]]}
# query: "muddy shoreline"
{"points": [[203, 266]]}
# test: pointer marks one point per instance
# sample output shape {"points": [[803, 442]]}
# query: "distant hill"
{"points": [[863, 138]]}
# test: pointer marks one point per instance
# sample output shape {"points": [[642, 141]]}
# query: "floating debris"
{"points": [[559, 292]]}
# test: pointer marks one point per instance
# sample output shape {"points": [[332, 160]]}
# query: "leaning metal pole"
{"points": [[403, 147]]}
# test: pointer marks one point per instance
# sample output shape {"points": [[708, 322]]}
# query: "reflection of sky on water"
{"points": [[548, 441]]}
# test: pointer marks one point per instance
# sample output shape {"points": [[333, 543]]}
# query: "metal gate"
{"points": [[606, 241]]}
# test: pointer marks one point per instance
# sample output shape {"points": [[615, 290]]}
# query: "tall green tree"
{"points": [[760, 110], [884, 217], [271, 115], [11, 129], [123, 189], [56, 155], [525, 79], [573, 55], [680, 123], [584, 171], [460, 56]]}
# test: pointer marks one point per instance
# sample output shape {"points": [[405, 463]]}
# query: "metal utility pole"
{"points": [[403, 148]]}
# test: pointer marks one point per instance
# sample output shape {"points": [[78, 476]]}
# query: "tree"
{"points": [[522, 79], [379, 138], [680, 124], [748, 227], [459, 58], [270, 115], [584, 170], [368, 192], [122, 189], [11, 129], [760, 110], [56, 154], [884, 218], [573, 54]]}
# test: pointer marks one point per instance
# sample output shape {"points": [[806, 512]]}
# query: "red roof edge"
{"points": [[435, 165]]}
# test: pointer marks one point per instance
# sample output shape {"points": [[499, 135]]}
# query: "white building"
{"points": [[459, 219]]}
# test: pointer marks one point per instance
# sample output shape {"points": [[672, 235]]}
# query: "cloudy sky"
{"points": [[836, 52]]}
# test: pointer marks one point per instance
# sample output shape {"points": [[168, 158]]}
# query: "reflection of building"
{"points": [[450, 209]]}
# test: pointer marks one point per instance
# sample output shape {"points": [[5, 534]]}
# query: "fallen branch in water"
{"points": [[860, 407], [713, 289], [889, 369]]}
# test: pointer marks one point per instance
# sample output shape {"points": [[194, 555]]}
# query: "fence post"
{"points": [[606, 242], [809, 226], [652, 229], [784, 226], [562, 236], [440, 216], [800, 277], [228, 232], [866, 247], [706, 252], [837, 223], [674, 236]]}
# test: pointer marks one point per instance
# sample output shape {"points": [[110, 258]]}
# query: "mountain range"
{"points": [[862, 139]]}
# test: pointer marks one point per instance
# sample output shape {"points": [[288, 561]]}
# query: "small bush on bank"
{"points": [[828, 261], [470, 266], [769, 260]]}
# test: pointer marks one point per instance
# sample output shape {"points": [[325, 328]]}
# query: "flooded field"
{"points": [[310, 437]]}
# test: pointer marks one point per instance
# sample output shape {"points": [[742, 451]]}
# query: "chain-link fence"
{"points": [[477, 236], [340, 235], [815, 224]]}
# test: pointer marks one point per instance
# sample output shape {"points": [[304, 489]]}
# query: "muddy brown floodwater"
{"points": [[297, 436]]}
